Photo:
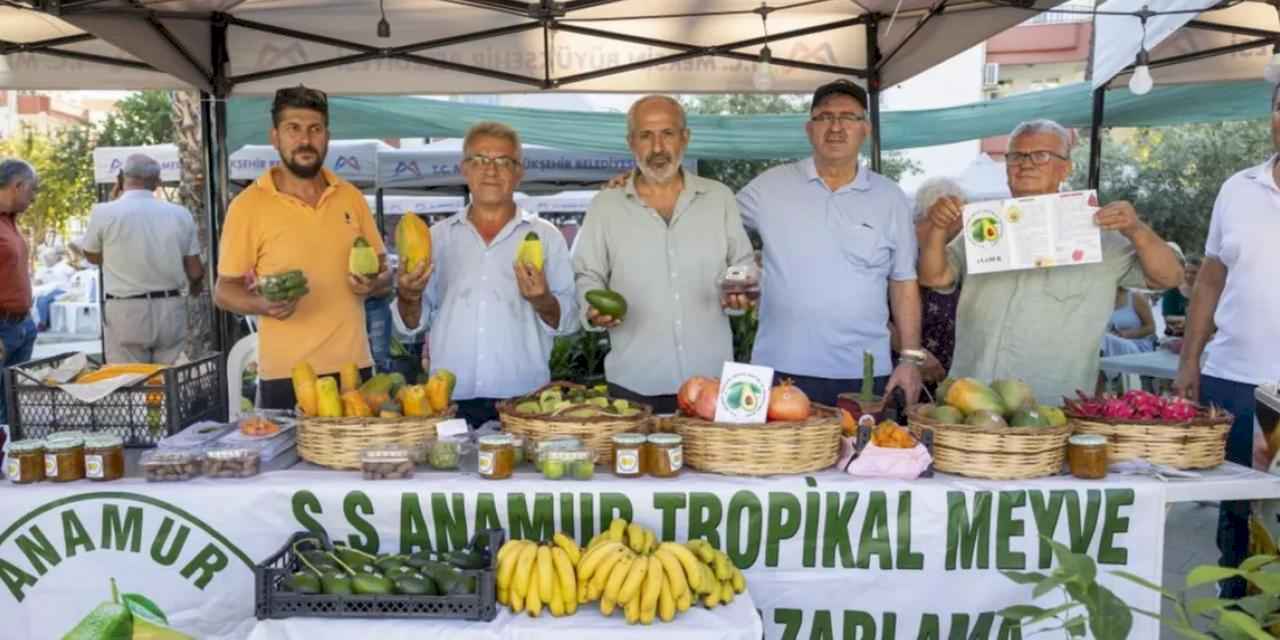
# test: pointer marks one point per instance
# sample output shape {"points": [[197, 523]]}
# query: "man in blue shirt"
{"points": [[839, 254], [492, 321]]}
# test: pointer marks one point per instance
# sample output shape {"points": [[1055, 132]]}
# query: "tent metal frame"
{"points": [[548, 15]]}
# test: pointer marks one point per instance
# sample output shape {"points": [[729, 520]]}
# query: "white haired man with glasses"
{"points": [[838, 242], [1042, 325], [492, 320]]}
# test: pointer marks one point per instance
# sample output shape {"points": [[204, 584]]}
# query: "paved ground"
{"points": [[49, 344], [1188, 543]]}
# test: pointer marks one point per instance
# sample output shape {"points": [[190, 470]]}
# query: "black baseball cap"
{"points": [[841, 86]]}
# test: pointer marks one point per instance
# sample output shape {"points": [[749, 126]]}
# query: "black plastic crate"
{"points": [[273, 600], [140, 414]]}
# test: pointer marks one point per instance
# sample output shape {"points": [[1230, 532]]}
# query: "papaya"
{"points": [[414, 400], [437, 390], [362, 260], [377, 389], [349, 377], [449, 378], [354, 406], [609, 303], [304, 388], [389, 409], [1014, 394], [530, 251], [328, 401], [970, 396], [413, 242]]}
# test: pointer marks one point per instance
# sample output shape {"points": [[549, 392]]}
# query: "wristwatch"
{"points": [[916, 357]]}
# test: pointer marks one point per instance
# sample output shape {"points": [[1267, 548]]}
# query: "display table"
{"points": [[1161, 364], [736, 621], [821, 552]]}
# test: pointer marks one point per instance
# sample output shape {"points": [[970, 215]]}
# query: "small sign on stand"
{"points": [[744, 393]]}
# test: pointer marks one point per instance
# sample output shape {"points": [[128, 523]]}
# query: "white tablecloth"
{"points": [[737, 621]]}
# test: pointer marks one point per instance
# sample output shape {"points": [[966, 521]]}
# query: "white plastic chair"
{"points": [[244, 352], [67, 317]]}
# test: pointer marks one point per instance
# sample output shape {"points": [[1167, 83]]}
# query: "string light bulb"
{"points": [[1140, 81], [762, 79], [384, 27]]}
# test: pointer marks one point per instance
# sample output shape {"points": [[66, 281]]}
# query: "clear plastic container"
{"points": [[387, 462], [104, 457], [232, 462], [168, 465], [628, 449], [557, 443], [64, 457], [24, 463], [447, 452], [518, 447], [569, 464]]}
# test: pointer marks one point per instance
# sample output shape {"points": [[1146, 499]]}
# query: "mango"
{"points": [[1014, 394], [530, 251], [413, 242], [947, 414], [1054, 415], [984, 418], [378, 389], [362, 260], [970, 396], [1028, 418]]}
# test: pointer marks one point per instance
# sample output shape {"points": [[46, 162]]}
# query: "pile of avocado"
{"points": [[344, 571], [575, 401], [287, 285]]}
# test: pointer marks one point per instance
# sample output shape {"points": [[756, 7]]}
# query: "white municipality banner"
{"points": [[826, 556]]}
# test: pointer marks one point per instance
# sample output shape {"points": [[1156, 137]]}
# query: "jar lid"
{"points": [[103, 441], [629, 438], [63, 442], [497, 440], [1087, 440], [170, 456], [559, 442], [385, 452], [26, 446], [232, 453], [665, 438]]}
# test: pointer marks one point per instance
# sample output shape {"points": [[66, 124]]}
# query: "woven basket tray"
{"points": [[337, 442], [773, 448], [994, 453], [595, 432], [1199, 444]]}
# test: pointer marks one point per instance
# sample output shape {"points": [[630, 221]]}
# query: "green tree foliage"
{"points": [[1172, 175], [140, 119], [64, 162]]}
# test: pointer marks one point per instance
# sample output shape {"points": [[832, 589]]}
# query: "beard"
{"points": [[305, 171], [659, 167]]}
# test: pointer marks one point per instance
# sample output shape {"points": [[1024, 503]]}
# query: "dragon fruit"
{"points": [[1117, 409], [1133, 405], [1177, 409], [1146, 406]]}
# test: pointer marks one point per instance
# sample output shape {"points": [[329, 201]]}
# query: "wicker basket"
{"points": [[1198, 444], [337, 442], [773, 448], [994, 453], [595, 432]]}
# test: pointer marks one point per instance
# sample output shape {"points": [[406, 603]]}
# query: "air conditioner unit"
{"points": [[991, 74]]}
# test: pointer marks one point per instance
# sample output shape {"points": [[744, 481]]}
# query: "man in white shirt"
{"points": [[1235, 294], [149, 252]]}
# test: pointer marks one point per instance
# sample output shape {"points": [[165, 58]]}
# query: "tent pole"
{"points": [[1095, 137], [213, 123], [381, 213], [873, 89]]}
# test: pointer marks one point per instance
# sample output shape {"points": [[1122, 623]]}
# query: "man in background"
{"points": [[18, 188], [149, 252]]}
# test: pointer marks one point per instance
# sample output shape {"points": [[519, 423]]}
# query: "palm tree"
{"points": [[186, 133]]}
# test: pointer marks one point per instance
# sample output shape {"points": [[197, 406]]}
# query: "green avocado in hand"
{"points": [[108, 621]]}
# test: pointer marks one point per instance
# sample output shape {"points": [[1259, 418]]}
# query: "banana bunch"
{"points": [[721, 580], [533, 575]]}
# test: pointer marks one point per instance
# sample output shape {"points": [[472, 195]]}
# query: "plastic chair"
{"points": [[244, 352], [69, 317]]}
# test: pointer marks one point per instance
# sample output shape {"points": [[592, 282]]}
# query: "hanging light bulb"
{"points": [[1271, 72], [384, 27], [762, 80], [1140, 82]]}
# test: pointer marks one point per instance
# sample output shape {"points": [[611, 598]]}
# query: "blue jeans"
{"points": [[1233, 515], [19, 340], [377, 323], [43, 303]]}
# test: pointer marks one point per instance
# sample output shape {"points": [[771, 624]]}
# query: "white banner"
{"points": [[109, 161], [353, 160], [821, 553]]}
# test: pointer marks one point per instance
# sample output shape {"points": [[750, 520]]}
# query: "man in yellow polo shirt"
{"points": [[299, 215]]}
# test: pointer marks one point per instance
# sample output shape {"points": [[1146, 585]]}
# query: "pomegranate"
{"points": [[705, 404], [687, 396], [787, 402]]}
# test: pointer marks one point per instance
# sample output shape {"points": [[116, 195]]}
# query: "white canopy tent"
{"points": [[108, 161], [573, 201], [420, 205], [353, 160]]}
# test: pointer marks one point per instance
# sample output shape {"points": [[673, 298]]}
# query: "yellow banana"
{"points": [[546, 571], [554, 603], [739, 581], [517, 602], [593, 557], [722, 566], [511, 545], [726, 592], [709, 582], [570, 547], [635, 580], [504, 596], [616, 528], [607, 605], [507, 563], [601, 575], [599, 539], [653, 581], [653, 540], [647, 615], [666, 603], [632, 611], [564, 571], [533, 603], [684, 602], [673, 572], [635, 537], [712, 600], [570, 602], [524, 570], [703, 549], [616, 578], [583, 591], [688, 561]]}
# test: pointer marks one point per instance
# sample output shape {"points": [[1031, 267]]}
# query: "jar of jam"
{"points": [[497, 456], [1087, 456], [25, 462], [104, 457], [64, 458], [627, 451], [666, 455]]}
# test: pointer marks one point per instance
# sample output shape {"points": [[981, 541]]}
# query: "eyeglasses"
{"points": [[1037, 157], [844, 118], [502, 163]]}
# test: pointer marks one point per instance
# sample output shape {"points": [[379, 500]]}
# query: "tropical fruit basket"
{"points": [[1164, 430], [568, 409]]}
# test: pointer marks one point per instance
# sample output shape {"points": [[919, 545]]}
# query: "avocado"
{"points": [[443, 575], [529, 406], [749, 400], [303, 582], [387, 564], [609, 303], [110, 620], [420, 559], [316, 556], [401, 571], [367, 583], [336, 584], [416, 586], [464, 559]]}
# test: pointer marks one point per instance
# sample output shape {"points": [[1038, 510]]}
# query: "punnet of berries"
{"points": [[1139, 406]]}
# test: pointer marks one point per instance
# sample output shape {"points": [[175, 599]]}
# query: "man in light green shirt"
{"points": [[1042, 325], [662, 242]]}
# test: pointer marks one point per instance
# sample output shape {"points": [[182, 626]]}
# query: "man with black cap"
{"points": [[838, 242]]}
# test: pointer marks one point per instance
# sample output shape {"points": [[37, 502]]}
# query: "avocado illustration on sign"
{"points": [[744, 396], [128, 616]]}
